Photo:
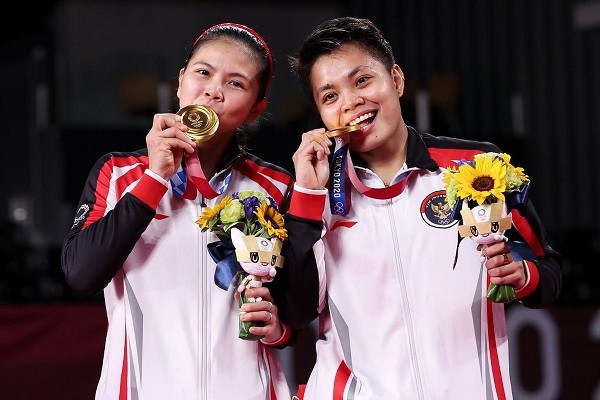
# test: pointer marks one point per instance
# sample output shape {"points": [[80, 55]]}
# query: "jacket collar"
{"points": [[417, 154]]}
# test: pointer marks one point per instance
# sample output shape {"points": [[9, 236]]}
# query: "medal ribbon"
{"points": [[378, 193], [338, 201], [342, 166], [196, 174]]}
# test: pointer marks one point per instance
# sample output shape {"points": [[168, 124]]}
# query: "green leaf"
{"points": [[501, 293]]}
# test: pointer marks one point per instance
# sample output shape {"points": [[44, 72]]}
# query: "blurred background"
{"points": [[81, 78]]}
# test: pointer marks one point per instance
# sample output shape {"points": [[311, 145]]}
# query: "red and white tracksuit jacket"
{"points": [[401, 298], [172, 332]]}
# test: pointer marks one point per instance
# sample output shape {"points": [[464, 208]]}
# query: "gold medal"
{"points": [[341, 130], [201, 121]]}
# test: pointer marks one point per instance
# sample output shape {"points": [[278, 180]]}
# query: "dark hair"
{"points": [[329, 36], [247, 37]]}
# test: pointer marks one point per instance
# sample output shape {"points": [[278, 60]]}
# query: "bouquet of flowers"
{"points": [[479, 190], [251, 230]]}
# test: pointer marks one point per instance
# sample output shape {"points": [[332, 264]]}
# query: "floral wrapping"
{"points": [[478, 189], [251, 231]]}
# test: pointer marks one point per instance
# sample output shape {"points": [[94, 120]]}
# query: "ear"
{"points": [[237, 238], [398, 77], [258, 108], [181, 71]]}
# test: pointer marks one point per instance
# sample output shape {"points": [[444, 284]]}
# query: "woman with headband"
{"points": [[172, 331]]}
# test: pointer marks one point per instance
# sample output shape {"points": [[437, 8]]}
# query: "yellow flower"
{"points": [[521, 174], [484, 180], [272, 220], [208, 214], [448, 176], [505, 157]]}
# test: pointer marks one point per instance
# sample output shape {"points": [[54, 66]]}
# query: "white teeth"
{"points": [[361, 118]]}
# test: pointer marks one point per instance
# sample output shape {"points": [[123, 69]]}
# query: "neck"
{"points": [[387, 171], [387, 160], [211, 155]]}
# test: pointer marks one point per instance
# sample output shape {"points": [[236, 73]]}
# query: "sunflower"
{"points": [[485, 181], [271, 220]]}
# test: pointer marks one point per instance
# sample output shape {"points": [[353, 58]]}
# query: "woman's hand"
{"points": [[501, 267], [264, 311], [310, 160], [166, 142]]}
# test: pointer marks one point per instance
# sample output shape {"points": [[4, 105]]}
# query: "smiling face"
{"points": [[257, 256], [223, 74], [349, 86], [483, 222]]}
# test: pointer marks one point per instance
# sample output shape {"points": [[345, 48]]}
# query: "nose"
{"points": [[213, 93], [351, 101]]}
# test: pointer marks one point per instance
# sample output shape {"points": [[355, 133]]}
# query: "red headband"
{"points": [[250, 31]]}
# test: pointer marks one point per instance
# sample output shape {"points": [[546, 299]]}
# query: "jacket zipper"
{"points": [[403, 293], [202, 328]]}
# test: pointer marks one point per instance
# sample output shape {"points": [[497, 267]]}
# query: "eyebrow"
{"points": [[202, 63], [352, 72]]}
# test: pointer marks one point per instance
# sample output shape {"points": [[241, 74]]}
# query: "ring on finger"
{"points": [[505, 258], [270, 306], [270, 317]]}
